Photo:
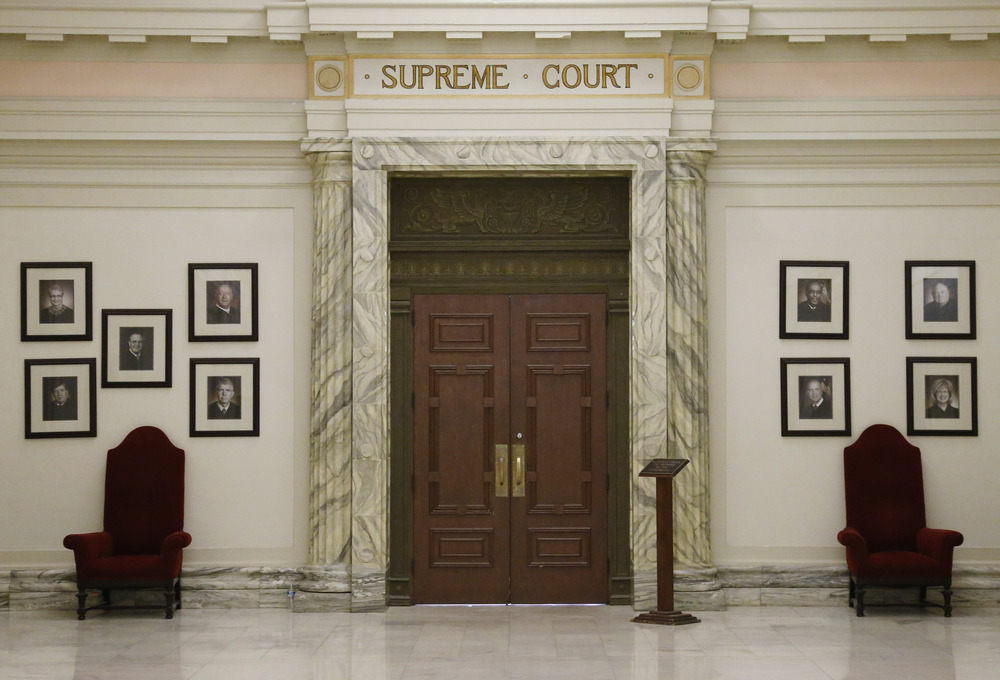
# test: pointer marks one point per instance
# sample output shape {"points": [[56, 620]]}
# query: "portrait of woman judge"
{"points": [[940, 300], [942, 396], [56, 301]]}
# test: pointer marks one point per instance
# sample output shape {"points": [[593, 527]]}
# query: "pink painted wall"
{"points": [[856, 79], [164, 80]]}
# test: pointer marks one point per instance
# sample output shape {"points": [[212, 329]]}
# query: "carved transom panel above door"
{"points": [[492, 207]]}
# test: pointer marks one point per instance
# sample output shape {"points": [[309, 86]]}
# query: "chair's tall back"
{"points": [[884, 488], [143, 492]]}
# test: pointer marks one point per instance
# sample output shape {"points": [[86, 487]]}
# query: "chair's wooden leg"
{"points": [[860, 593], [81, 604], [168, 595], [177, 593], [946, 592], [923, 593], [850, 592]]}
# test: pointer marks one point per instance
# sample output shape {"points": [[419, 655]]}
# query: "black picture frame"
{"points": [[243, 377], [800, 381], [928, 413], [206, 321], [930, 318], [136, 347], [829, 316], [60, 398], [56, 301]]}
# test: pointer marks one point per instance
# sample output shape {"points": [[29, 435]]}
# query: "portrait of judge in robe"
{"points": [[814, 300], [224, 400], [60, 398], [814, 397], [135, 349], [940, 300], [223, 302], [57, 296]]}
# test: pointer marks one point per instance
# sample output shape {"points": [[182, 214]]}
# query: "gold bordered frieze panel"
{"points": [[424, 208], [689, 77], [508, 75], [328, 77]]}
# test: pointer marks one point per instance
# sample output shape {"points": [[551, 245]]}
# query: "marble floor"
{"points": [[492, 643]]}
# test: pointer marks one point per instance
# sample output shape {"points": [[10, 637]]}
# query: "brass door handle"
{"points": [[500, 470], [518, 481]]}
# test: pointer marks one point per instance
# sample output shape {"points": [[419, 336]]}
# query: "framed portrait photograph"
{"points": [[60, 398], [56, 301], [941, 396], [137, 347], [941, 300], [225, 397], [813, 300], [222, 302], [815, 397]]}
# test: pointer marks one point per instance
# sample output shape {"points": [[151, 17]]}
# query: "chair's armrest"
{"points": [[857, 548], [938, 543], [852, 539], [170, 551], [89, 546]]}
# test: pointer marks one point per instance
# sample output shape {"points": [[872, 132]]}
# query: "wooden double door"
{"points": [[510, 449]]}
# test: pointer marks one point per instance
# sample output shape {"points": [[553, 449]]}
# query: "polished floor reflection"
{"points": [[492, 643]]}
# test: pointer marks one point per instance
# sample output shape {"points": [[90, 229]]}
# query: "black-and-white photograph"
{"points": [[137, 348], [941, 300], [222, 302], [60, 398], [815, 397], [56, 301], [941, 396], [813, 300], [225, 397]]}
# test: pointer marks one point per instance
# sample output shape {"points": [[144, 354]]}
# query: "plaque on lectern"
{"points": [[664, 470], [663, 467]]}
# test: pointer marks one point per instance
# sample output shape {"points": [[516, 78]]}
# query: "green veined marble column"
{"points": [[330, 382], [687, 356]]}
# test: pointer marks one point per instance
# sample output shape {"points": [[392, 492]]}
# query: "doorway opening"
{"points": [[509, 316]]}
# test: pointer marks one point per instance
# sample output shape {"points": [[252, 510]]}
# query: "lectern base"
{"points": [[666, 618]]}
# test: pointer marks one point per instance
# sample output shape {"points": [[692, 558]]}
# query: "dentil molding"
{"points": [[218, 21]]}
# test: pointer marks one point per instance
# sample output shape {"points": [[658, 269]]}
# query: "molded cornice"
{"points": [[218, 20]]}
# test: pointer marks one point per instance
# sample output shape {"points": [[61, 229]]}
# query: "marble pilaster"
{"points": [[682, 378], [687, 347], [331, 386]]}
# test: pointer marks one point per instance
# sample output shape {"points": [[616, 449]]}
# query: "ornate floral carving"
{"points": [[492, 206]]}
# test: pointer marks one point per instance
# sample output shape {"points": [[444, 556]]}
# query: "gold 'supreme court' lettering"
{"points": [[590, 76], [535, 76], [444, 76]]}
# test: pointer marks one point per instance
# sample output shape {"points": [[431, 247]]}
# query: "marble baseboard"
{"points": [[730, 586]]}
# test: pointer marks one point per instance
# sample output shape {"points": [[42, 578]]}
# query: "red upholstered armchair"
{"points": [[887, 539], [140, 547]]}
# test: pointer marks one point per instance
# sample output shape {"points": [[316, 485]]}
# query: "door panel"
{"points": [[559, 527], [500, 517], [461, 403]]}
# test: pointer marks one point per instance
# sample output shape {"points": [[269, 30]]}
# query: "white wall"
{"points": [[140, 226], [780, 499]]}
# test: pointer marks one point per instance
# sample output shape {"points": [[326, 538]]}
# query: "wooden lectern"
{"points": [[664, 470]]}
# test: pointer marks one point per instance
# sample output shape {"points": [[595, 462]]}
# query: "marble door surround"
{"points": [[349, 465]]}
